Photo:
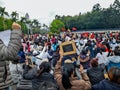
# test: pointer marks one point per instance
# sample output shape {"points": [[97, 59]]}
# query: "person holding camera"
{"points": [[9, 53], [40, 76], [66, 77]]}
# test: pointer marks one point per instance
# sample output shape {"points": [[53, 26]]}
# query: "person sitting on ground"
{"points": [[66, 79], [115, 59], [95, 73], [113, 83], [102, 57], [39, 76], [44, 53], [84, 58]]}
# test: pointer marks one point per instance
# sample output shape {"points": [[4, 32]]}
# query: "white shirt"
{"points": [[102, 58], [44, 54], [67, 38], [113, 46]]}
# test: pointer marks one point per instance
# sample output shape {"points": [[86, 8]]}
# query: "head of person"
{"points": [[53, 36], [114, 75], [84, 52], [35, 53], [94, 62], [16, 26], [28, 43], [44, 67], [117, 51], [49, 47], [67, 72], [102, 50]]}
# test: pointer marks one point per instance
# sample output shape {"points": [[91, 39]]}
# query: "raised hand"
{"points": [[16, 26]]}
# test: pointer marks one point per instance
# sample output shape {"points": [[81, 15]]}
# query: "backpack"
{"points": [[47, 85]]}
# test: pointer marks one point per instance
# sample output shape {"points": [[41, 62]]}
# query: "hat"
{"points": [[35, 52], [68, 61], [44, 60]]}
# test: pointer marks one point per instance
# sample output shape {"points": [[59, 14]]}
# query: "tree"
{"points": [[35, 22], [14, 16], [56, 26], [57, 17], [8, 24], [23, 20], [116, 5], [96, 7], [3, 12], [66, 20], [45, 26], [36, 26], [1, 24]]}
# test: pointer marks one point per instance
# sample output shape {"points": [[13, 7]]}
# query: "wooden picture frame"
{"points": [[68, 45]]}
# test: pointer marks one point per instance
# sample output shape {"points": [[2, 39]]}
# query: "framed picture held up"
{"points": [[68, 48]]}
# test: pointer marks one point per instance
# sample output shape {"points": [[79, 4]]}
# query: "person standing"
{"points": [[9, 53]]}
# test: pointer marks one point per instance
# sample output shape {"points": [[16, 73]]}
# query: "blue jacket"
{"points": [[106, 85], [113, 61], [54, 47], [22, 56]]}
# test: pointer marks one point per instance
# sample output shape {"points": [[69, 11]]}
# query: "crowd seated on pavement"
{"points": [[95, 66]]}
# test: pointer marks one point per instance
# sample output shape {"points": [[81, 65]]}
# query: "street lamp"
{"points": [[27, 24]]}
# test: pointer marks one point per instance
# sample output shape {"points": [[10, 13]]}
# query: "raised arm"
{"points": [[10, 52], [57, 71]]}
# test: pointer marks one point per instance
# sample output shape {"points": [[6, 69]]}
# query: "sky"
{"points": [[45, 10]]}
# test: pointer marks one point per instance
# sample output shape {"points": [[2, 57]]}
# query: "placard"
{"points": [[68, 48]]}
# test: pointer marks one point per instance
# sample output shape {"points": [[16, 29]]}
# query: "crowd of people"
{"points": [[94, 66]]}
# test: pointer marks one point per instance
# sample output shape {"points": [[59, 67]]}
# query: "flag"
{"points": [[74, 29]]}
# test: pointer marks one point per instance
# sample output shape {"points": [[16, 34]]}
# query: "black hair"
{"points": [[117, 51], [102, 50], [84, 52], [68, 70], [44, 67]]}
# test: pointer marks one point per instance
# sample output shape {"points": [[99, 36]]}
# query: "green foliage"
{"points": [[1, 24], [14, 16], [56, 26], [8, 24], [3, 12], [98, 18], [23, 27]]}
